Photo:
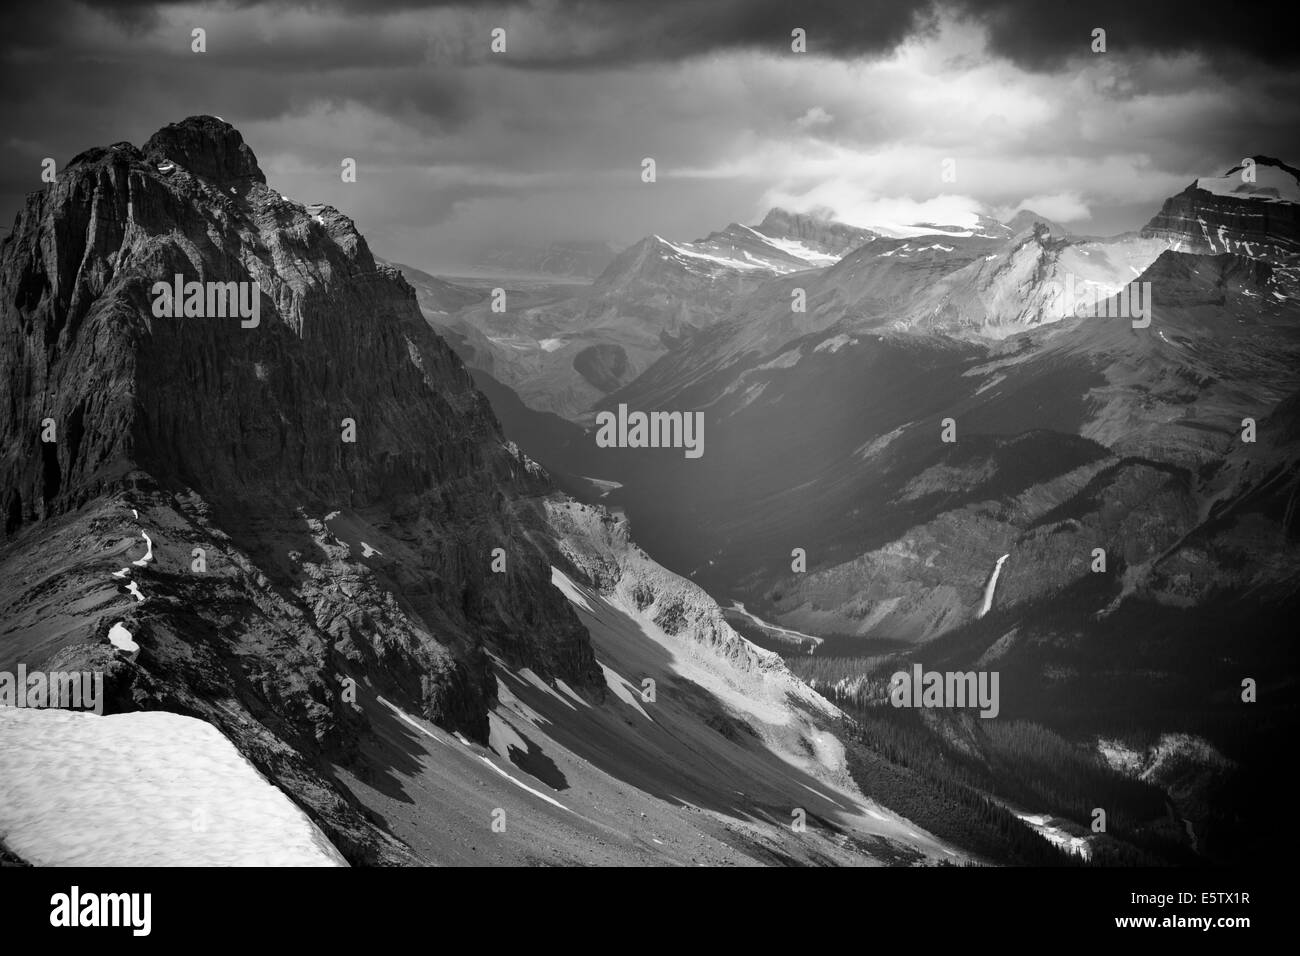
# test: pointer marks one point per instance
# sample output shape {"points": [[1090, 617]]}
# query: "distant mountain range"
{"points": [[563, 350], [1167, 442], [562, 259]]}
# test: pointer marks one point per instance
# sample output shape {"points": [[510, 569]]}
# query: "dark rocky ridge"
{"points": [[229, 438], [824, 235], [207, 147], [1268, 230]]}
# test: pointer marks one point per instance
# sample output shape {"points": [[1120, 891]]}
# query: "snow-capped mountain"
{"points": [[981, 227], [817, 239], [1231, 213], [562, 350], [782, 243]]}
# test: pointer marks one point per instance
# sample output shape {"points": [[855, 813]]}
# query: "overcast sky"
{"points": [[456, 144]]}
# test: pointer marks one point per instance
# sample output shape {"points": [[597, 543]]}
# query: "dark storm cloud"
{"points": [[456, 139], [1035, 34], [76, 75], [1041, 35]]}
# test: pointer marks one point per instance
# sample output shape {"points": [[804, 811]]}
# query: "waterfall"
{"points": [[993, 583]]}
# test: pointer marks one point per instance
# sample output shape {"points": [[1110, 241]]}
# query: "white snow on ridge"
{"points": [[408, 719], [523, 786], [896, 231], [801, 251], [148, 554], [1271, 185], [142, 789], [719, 260], [121, 638]]}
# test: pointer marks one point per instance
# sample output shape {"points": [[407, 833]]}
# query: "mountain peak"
{"points": [[1262, 160], [1028, 219], [1271, 180], [1255, 215], [778, 217], [206, 146]]}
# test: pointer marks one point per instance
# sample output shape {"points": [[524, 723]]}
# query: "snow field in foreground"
{"points": [[142, 789]]}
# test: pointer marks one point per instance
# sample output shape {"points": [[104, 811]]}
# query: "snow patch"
{"points": [[717, 260], [1271, 185], [524, 786], [408, 719], [121, 638], [142, 789], [799, 250], [148, 554]]}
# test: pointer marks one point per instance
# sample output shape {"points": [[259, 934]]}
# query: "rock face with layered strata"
{"points": [[1215, 215], [328, 560]]}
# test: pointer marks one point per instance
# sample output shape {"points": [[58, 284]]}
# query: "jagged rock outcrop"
{"points": [[234, 438], [207, 147], [1260, 219], [818, 233]]}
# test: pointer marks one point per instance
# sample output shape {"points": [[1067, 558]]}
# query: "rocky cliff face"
{"points": [[822, 235], [1259, 219], [790, 718], [327, 558]]}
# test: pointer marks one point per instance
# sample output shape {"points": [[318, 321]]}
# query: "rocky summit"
{"points": [[1251, 210], [333, 472]]}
